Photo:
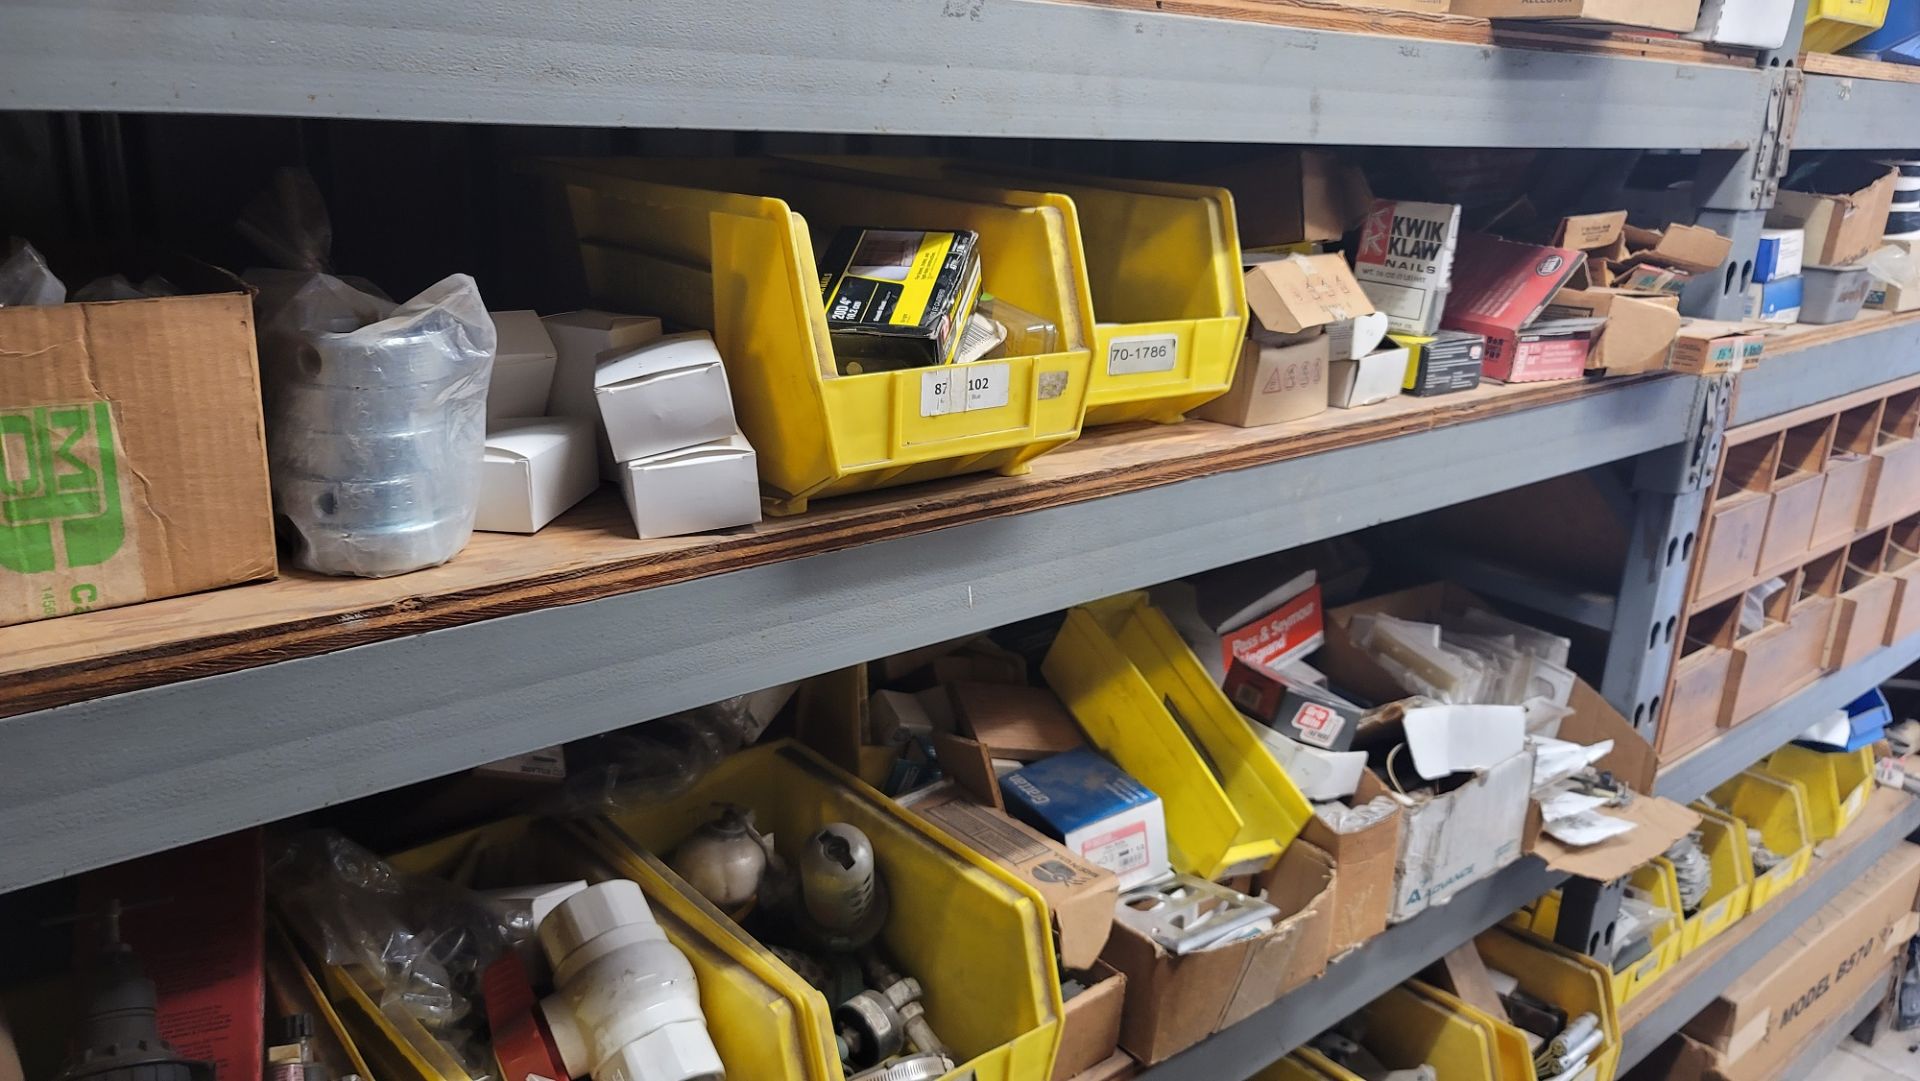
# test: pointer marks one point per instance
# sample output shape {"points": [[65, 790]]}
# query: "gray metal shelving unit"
{"points": [[150, 769]]}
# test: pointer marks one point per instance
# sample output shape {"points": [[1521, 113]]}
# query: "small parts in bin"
{"points": [[119, 1039], [899, 298], [290, 1051], [1692, 870], [724, 859], [1350, 1054]]}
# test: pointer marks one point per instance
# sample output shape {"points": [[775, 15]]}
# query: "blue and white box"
{"points": [[1777, 301], [1780, 254], [1095, 809]]}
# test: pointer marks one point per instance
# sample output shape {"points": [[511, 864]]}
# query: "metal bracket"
{"points": [[1589, 911], [1775, 148], [1689, 465]]}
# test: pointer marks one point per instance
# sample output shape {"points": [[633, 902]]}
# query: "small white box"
{"points": [[535, 468], [579, 340], [694, 489], [1757, 24], [522, 366], [1373, 378], [667, 394]]}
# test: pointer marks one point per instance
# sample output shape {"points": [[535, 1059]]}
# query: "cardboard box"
{"points": [[1707, 347], [1351, 339], [134, 452], [1447, 362], [1294, 293], [1119, 1067], [665, 395], [1090, 1023], [196, 917], [1273, 384], [1080, 895], [1658, 14], [1639, 332], [1893, 298], [712, 486], [534, 469], [1843, 222], [1364, 862], [1822, 969], [1687, 247], [1174, 1002], [1550, 349], [1405, 261], [1292, 196], [580, 339], [523, 363], [1776, 301], [1781, 254], [1599, 235], [1373, 378], [1025, 724], [1503, 285], [1096, 810], [1311, 715]]}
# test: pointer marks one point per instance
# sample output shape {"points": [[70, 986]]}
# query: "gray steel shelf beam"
{"points": [[1746, 743], [178, 763], [1023, 68], [1775, 923], [1357, 979], [1838, 112], [1805, 376]]}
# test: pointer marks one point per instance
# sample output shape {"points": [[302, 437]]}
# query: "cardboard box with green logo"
{"points": [[133, 459]]}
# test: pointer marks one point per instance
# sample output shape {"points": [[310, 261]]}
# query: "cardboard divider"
{"points": [[1848, 468], [1798, 480], [1867, 598], [1697, 704], [1895, 484], [1737, 520], [1901, 563], [1785, 654]]}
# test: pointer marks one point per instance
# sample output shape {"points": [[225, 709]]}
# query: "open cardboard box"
{"points": [[1640, 329], [1867, 599], [1090, 1023], [1706, 666], [1174, 1002], [1849, 469], [1365, 860], [1798, 481], [1467, 834], [1843, 209], [1737, 519], [1894, 488]]}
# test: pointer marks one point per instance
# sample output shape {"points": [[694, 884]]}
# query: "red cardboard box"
{"points": [[1501, 286], [1550, 349]]}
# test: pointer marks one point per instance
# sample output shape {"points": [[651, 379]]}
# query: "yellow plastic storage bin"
{"points": [[1777, 808], [1406, 1029], [1573, 982], [729, 245], [1832, 25], [1727, 896], [1512, 1054], [975, 937], [1542, 918], [760, 1026], [1305, 1064], [1142, 697], [1163, 270], [1837, 784]]}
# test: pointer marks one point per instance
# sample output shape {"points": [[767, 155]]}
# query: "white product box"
{"points": [[667, 394], [1373, 378], [694, 489], [1758, 24], [1449, 842], [535, 468], [580, 339], [522, 366], [1781, 254]]}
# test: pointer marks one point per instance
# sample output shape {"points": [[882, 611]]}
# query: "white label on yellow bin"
{"points": [[1144, 353], [962, 388], [1888, 772]]}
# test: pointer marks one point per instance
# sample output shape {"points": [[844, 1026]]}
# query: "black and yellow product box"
{"points": [[1446, 362], [898, 298]]}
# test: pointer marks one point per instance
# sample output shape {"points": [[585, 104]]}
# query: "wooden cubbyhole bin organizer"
{"points": [[1849, 472], [1901, 563], [1707, 666], [1894, 488], [1867, 598], [1737, 518], [1799, 477], [1788, 649]]}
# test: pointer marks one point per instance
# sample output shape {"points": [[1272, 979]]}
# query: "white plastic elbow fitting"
{"points": [[625, 1006]]}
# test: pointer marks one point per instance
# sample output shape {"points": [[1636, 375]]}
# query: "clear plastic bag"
{"points": [[376, 419], [26, 280], [423, 941], [655, 761], [288, 222]]}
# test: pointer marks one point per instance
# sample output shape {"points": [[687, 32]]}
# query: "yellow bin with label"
{"points": [[1731, 888], [1777, 808], [1163, 270], [756, 1030], [1574, 982], [1832, 25], [1141, 696], [975, 937], [729, 246], [1542, 918], [1837, 784]]}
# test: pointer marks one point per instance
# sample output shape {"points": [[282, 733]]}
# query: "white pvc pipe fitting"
{"points": [[625, 1006]]}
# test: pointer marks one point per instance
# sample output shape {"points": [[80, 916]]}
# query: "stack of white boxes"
{"points": [[665, 417], [537, 465]]}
